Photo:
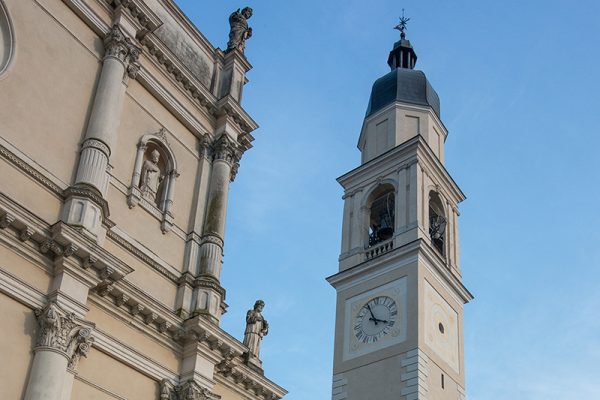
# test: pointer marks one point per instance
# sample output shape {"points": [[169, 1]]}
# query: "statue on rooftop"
{"points": [[239, 31], [256, 328]]}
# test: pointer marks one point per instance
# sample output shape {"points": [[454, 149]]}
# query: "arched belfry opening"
{"points": [[437, 222], [381, 214]]}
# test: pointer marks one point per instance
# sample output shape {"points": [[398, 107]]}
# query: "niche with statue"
{"points": [[153, 180]]}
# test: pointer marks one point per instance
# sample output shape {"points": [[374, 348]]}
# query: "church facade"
{"points": [[121, 129], [400, 297]]}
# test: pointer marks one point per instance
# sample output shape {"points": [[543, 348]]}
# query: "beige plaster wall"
{"points": [[37, 274], [376, 380], [35, 114], [126, 332], [17, 339], [144, 276], [447, 355], [145, 228], [28, 193], [226, 393], [101, 376], [434, 384]]}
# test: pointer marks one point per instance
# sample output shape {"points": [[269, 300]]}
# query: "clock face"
{"points": [[375, 319]]}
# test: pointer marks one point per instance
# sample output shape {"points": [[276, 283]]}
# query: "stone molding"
{"points": [[30, 171], [90, 193], [62, 240], [9, 42], [210, 282], [96, 144], [63, 332], [140, 12], [142, 255]]}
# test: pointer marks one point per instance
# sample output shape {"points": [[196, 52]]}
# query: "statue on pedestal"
{"points": [[239, 31], [256, 328], [151, 176]]}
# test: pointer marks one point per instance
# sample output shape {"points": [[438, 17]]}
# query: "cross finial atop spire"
{"points": [[402, 25]]}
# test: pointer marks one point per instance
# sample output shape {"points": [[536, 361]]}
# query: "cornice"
{"points": [[11, 156], [193, 32], [414, 150], [427, 158], [404, 106], [229, 107], [243, 379], [410, 252], [142, 255], [148, 21], [178, 71], [61, 240], [388, 161]]}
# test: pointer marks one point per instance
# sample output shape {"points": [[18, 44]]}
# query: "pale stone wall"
{"points": [[17, 332], [114, 294], [102, 377]]}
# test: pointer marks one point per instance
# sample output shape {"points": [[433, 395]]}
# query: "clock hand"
{"points": [[372, 316], [378, 320]]}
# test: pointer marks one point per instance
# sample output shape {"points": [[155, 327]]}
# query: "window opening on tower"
{"points": [[381, 221], [437, 222]]}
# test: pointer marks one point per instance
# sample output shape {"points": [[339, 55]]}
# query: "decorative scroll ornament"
{"points": [[63, 332], [118, 46]]}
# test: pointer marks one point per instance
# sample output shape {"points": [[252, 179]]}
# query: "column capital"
{"points": [[64, 333], [120, 47], [226, 149], [192, 390]]}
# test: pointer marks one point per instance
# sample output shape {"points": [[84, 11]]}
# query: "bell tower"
{"points": [[399, 312]]}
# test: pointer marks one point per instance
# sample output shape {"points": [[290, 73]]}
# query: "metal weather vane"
{"points": [[402, 25]]}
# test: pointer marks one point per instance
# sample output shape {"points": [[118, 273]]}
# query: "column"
{"points": [[62, 340], [209, 293], [120, 61]]}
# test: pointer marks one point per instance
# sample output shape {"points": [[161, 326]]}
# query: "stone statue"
{"points": [[239, 31], [151, 176], [256, 328]]}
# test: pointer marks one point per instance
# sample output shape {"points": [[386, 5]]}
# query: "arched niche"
{"points": [[381, 205], [437, 222], [7, 39], [153, 179]]}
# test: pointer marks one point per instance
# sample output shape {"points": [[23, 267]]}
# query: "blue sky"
{"points": [[518, 83]]}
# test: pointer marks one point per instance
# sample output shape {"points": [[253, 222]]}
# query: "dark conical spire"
{"points": [[402, 55]]}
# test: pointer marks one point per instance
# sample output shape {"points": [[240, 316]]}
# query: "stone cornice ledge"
{"points": [[241, 379], [228, 106], [140, 12], [61, 240], [169, 62]]}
